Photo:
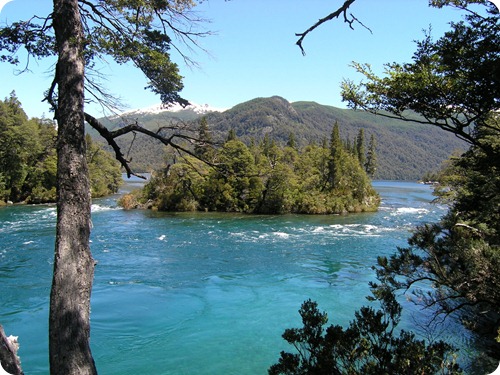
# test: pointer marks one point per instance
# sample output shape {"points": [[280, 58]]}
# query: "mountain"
{"points": [[405, 150], [193, 109]]}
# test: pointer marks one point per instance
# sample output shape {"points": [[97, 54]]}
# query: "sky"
{"points": [[252, 53]]}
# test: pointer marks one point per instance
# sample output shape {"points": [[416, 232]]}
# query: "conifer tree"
{"points": [[371, 157], [203, 147], [324, 143], [348, 145], [360, 147], [335, 151]]}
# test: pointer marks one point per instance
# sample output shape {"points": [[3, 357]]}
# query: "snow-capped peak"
{"points": [[159, 108]]}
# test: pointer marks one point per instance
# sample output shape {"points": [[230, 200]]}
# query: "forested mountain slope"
{"points": [[405, 150]]}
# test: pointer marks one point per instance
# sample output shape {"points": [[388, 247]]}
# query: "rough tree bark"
{"points": [[69, 317], [8, 354]]}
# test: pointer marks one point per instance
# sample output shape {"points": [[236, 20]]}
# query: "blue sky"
{"points": [[253, 52]]}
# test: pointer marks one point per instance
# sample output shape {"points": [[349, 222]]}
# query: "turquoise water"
{"points": [[202, 293]]}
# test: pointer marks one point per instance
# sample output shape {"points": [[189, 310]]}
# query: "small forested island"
{"points": [[28, 159], [265, 178]]}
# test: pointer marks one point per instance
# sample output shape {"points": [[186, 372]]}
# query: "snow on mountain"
{"points": [[159, 108]]}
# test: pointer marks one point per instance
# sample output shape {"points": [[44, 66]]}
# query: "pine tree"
{"points": [[203, 147], [360, 147], [371, 157], [335, 151]]}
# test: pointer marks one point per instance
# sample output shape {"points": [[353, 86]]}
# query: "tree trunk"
{"points": [[8, 354], [69, 317]]}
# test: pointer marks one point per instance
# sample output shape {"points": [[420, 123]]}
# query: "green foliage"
{"points": [[266, 179], [231, 135], [360, 147], [370, 345], [453, 266], [232, 186], [277, 193], [28, 160], [371, 157], [460, 256], [32, 36], [203, 148], [27, 155], [131, 31], [104, 170], [454, 82], [291, 142], [404, 151]]}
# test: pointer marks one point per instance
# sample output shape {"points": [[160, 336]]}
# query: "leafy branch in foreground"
{"points": [[451, 267], [453, 83], [368, 346], [459, 256]]}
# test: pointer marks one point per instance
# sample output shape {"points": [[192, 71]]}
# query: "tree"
{"points": [[231, 135], [460, 255], [237, 167], [360, 147], [79, 32], [371, 157], [370, 345], [28, 162], [69, 316], [452, 83], [204, 145], [291, 142], [104, 170], [16, 142], [336, 149]]}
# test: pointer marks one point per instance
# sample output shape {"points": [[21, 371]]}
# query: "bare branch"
{"points": [[349, 19], [134, 128], [108, 136]]}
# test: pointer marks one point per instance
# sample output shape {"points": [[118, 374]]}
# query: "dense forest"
{"points": [[406, 151], [265, 178], [28, 159]]}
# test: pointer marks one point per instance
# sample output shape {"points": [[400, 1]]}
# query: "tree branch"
{"points": [[459, 133], [341, 11], [110, 137]]}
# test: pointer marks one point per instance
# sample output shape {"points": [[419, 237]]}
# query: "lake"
{"points": [[203, 293]]}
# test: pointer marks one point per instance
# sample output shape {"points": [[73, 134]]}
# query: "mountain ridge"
{"points": [[406, 151], [160, 108]]}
